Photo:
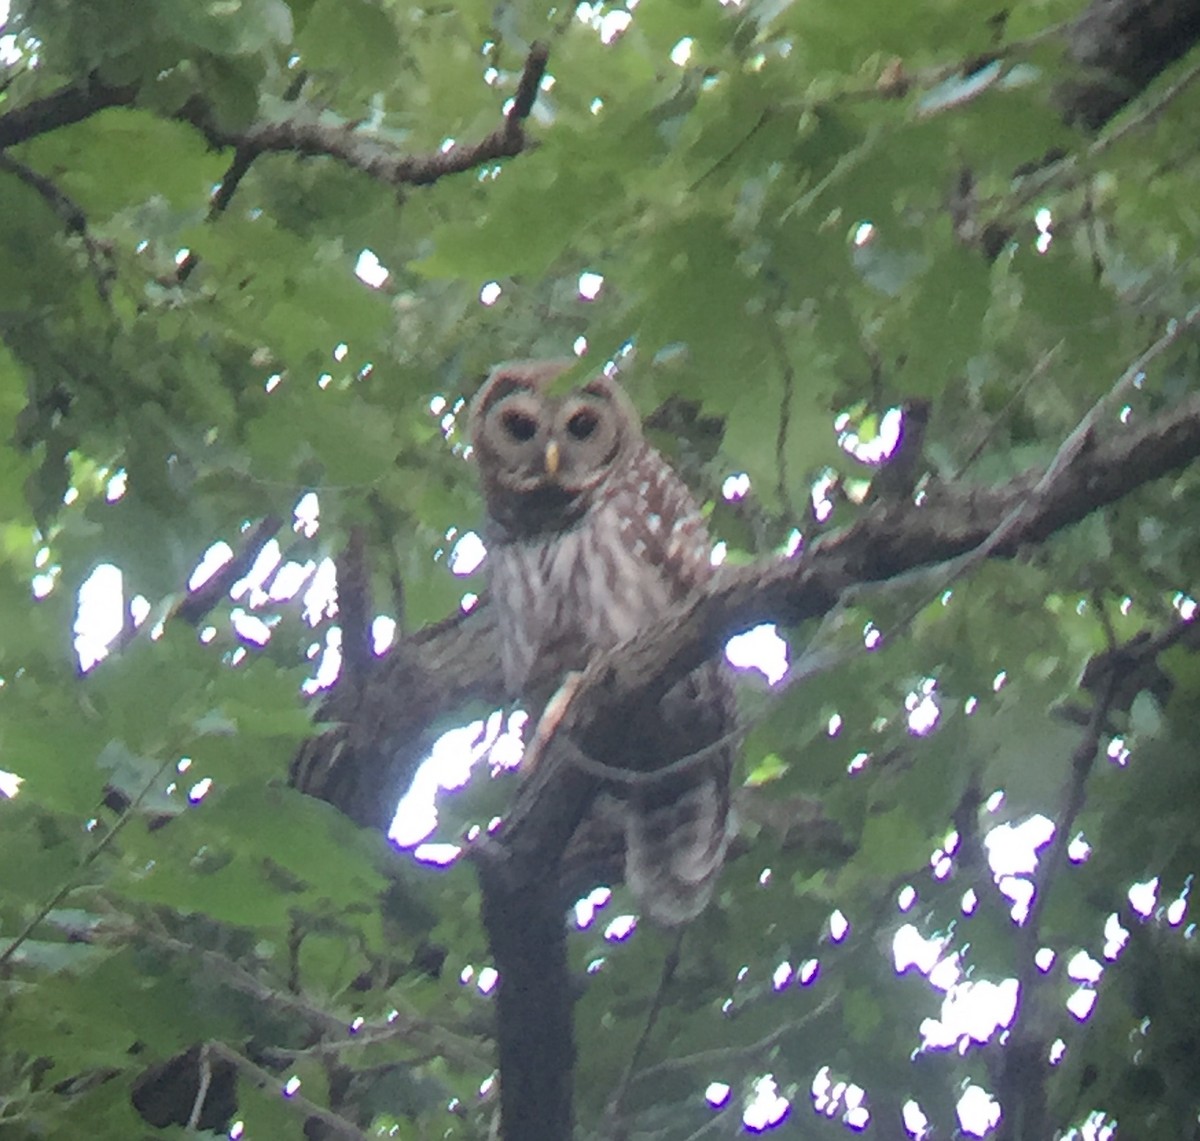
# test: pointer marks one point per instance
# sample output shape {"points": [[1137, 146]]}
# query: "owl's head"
{"points": [[542, 456]]}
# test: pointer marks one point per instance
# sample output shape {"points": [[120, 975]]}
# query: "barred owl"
{"points": [[591, 537]]}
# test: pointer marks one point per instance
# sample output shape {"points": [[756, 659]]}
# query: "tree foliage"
{"points": [[801, 223]]}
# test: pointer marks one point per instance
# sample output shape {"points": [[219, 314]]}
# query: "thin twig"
{"points": [[732, 1053], [340, 1125], [73, 880], [616, 1103], [1034, 374], [205, 1065], [785, 418]]}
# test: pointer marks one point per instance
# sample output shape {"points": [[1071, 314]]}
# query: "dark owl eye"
{"points": [[519, 426], [583, 424]]}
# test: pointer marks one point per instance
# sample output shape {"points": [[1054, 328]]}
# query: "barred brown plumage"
{"points": [[592, 537]]}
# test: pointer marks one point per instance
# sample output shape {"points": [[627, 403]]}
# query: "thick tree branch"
{"points": [[299, 133], [61, 108]]}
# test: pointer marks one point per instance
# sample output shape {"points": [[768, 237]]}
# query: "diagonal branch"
{"points": [[299, 133]]}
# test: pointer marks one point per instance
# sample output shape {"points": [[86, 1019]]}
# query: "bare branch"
{"points": [[300, 133], [73, 218]]}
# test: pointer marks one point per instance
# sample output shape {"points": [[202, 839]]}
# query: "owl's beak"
{"points": [[552, 458]]}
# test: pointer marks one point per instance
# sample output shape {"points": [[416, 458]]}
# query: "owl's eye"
{"points": [[519, 426], [583, 424]]}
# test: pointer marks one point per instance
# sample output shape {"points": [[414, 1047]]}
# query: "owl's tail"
{"points": [[675, 847]]}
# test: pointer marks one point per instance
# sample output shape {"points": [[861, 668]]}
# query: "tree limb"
{"points": [[299, 133]]}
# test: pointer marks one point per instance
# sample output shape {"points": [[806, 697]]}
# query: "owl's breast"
{"points": [[563, 597]]}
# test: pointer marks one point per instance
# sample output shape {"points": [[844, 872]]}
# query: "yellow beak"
{"points": [[552, 458]]}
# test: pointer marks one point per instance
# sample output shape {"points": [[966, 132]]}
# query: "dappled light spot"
{"points": [[839, 926], [579, 346], [488, 1084], [356, 1024], [370, 270], [993, 802], [1176, 911], [237, 1130], [768, 1107], [207, 634], [978, 1112], [596, 965], [489, 294], [292, 1086], [99, 614], [253, 583], [972, 1012], [488, 978], [620, 928], [383, 633], [1143, 896], [1118, 752], [969, 902], [736, 486], [762, 649], [782, 976], [916, 1124], [1083, 968], [306, 515], [863, 233], [858, 762], [1078, 850], [1021, 892], [822, 504], [1186, 606], [1081, 1003], [872, 636], [10, 784], [324, 380], [467, 555], [587, 907], [200, 790], [808, 972], [1012, 848], [212, 561], [468, 602], [717, 1094], [328, 666], [906, 898], [834, 726], [251, 627], [116, 487], [590, 284], [1044, 959], [911, 949], [466, 974], [923, 712], [795, 541], [876, 448], [946, 973], [681, 52], [437, 855], [719, 552], [839, 1098], [999, 681], [1057, 1051], [764, 877]]}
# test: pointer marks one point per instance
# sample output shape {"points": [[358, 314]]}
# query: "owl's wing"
{"points": [[661, 524]]}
